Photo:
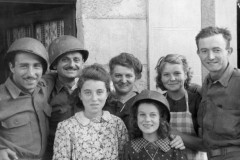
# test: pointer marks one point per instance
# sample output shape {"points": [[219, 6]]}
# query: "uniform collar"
{"points": [[59, 85], [140, 143], [85, 121], [224, 79], [15, 92]]}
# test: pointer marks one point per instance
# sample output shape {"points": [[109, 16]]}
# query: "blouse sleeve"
{"points": [[122, 136], [62, 143]]}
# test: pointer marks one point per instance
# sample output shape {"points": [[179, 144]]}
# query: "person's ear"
{"points": [[54, 66], [230, 50], [11, 67]]}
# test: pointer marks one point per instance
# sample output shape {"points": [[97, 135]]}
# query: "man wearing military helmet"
{"points": [[67, 57], [24, 110]]}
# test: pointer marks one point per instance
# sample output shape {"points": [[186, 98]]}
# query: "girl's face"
{"points": [[173, 77], [93, 95], [148, 119], [123, 79]]}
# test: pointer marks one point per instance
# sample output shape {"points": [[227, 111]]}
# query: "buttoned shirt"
{"points": [[219, 111], [24, 122], [120, 109]]}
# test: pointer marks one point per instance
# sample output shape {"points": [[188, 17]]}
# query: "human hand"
{"points": [[7, 154], [177, 142]]}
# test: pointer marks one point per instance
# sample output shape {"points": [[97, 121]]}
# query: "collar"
{"points": [[59, 85], [224, 79], [85, 121], [140, 143], [15, 92]]}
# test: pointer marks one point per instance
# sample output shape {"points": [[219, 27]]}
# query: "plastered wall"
{"points": [[173, 25], [110, 27]]}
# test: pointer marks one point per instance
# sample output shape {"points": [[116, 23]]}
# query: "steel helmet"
{"points": [[29, 45], [155, 96], [65, 44]]}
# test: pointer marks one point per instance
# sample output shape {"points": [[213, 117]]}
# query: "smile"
{"points": [[71, 69], [30, 79], [147, 125]]}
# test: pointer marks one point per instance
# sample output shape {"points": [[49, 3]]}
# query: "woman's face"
{"points": [[93, 95], [123, 79], [148, 119], [173, 77]]}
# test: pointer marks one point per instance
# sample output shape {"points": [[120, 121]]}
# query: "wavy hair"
{"points": [[127, 60], [172, 59], [211, 31], [164, 128]]}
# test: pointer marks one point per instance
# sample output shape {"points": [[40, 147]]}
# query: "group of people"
{"points": [[72, 114]]}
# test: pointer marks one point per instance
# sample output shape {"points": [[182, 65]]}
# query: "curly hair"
{"points": [[172, 59], [127, 60], [164, 128], [94, 72], [211, 31]]}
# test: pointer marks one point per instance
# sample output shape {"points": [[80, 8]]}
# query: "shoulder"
{"points": [[4, 93], [3, 88], [116, 119], [68, 123], [50, 78], [234, 79], [128, 144], [236, 71], [51, 75], [194, 96]]}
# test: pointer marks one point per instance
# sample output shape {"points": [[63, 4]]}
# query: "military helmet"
{"points": [[29, 45], [155, 96], [65, 44]]}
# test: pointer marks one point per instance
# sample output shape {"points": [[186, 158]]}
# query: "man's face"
{"points": [[70, 65], [27, 71], [214, 54]]}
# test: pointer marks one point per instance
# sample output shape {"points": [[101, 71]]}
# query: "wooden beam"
{"points": [[40, 1]]}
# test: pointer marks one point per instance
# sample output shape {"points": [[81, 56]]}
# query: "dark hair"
{"points": [[94, 72], [163, 130], [126, 60], [12, 58], [211, 31], [172, 59]]}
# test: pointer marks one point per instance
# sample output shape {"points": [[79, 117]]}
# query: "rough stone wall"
{"points": [[109, 27]]}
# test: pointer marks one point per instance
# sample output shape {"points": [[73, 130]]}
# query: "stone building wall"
{"points": [[109, 27]]}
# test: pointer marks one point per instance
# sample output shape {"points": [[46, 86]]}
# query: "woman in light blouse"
{"points": [[91, 134]]}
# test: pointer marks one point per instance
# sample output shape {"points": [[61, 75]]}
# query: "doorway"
{"points": [[44, 20]]}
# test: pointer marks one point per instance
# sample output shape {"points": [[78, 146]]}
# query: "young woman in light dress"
{"points": [[91, 134]]}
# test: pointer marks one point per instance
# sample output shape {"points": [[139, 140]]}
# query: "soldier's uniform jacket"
{"points": [[64, 105], [24, 120]]}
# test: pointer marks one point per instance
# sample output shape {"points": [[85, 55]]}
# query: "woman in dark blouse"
{"points": [[150, 131], [125, 70]]}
